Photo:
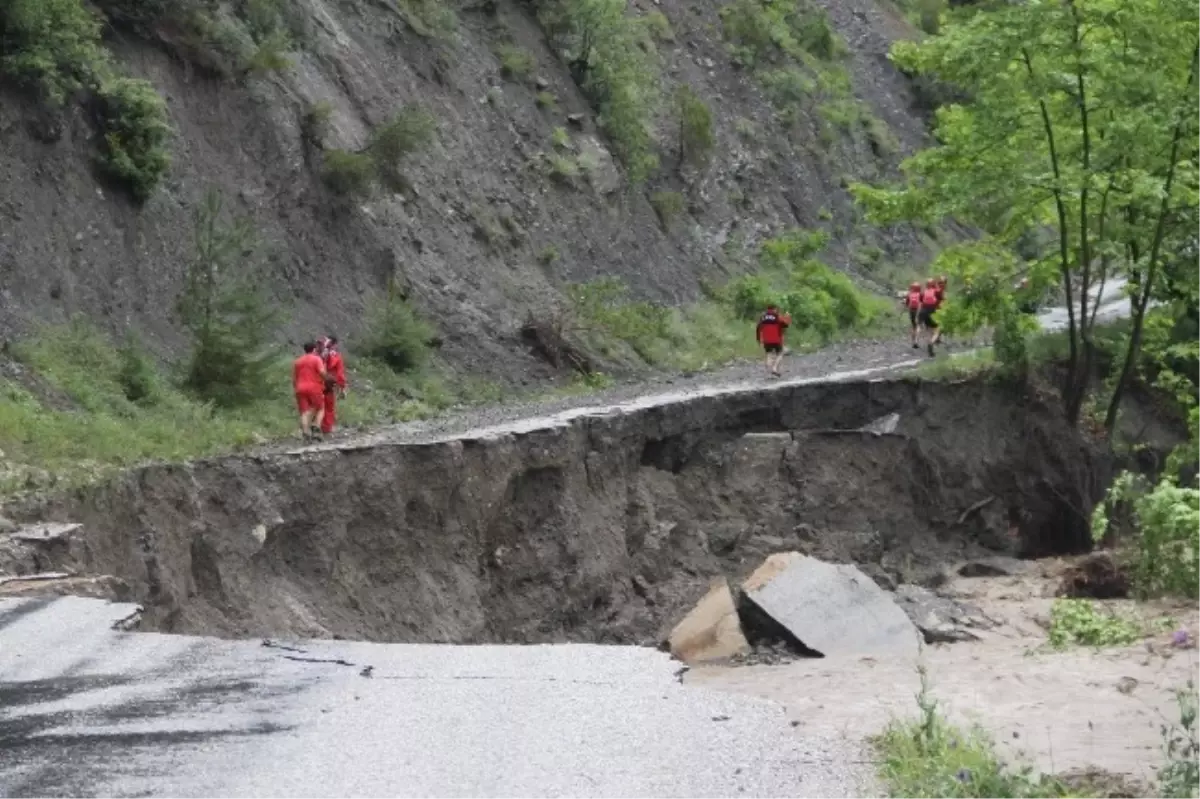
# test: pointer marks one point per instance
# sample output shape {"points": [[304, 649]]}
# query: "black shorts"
{"points": [[773, 347], [926, 318], [912, 316]]}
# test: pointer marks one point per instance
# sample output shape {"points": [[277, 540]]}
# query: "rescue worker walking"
{"points": [[308, 383], [771, 327], [912, 301], [931, 300], [335, 382]]}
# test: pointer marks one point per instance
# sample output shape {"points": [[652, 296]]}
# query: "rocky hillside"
{"points": [[525, 187]]}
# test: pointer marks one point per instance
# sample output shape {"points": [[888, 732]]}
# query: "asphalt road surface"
{"points": [[86, 710]]}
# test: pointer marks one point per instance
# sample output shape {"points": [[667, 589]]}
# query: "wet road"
{"points": [[86, 710]]}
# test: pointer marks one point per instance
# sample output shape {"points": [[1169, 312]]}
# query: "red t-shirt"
{"points": [[306, 374]]}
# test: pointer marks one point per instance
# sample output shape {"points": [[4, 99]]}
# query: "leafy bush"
{"points": [[547, 101], [763, 31], [411, 130], [223, 307], [607, 56], [1078, 622], [667, 205], [134, 117], [314, 126], [51, 45], [271, 55], [431, 19], [560, 138], [604, 304], [562, 168], [516, 63], [695, 126], [789, 90], [659, 26], [348, 174], [137, 376], [395, 335]]}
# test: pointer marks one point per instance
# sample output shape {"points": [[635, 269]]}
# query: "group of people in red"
{"points": [[922, 304], [319, 381]]}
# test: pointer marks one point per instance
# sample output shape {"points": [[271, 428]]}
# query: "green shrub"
{"points": [[134, 117], [1179, 778], [607, 56], [431, 19], [51, 45], [696, 139], [789, 90], [231, 320], [314, 126], [547, 101], [548, 255], [395, 335], [765, 31], [667, 205], [516, 63], [605, 305], [1078, 622], [271, 55], [348, 174], [136, 375], [562, 168], [411, 130], [560, 138]]}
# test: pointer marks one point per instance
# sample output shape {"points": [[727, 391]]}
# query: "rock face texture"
{"points": [[605, 528], [481, 235]]}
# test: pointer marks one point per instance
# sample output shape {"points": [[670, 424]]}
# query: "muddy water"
{"points": [[1080, 709]]}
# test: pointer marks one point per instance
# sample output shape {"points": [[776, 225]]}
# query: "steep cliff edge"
{"points": [[481, 236], [603, 527]]}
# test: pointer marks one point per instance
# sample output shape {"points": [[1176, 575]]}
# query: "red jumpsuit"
{"points": [[336, 369]]}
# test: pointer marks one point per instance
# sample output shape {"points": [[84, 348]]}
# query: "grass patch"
{"points": [[354, 174], [91, 406], [667, 205], [930, 757]]}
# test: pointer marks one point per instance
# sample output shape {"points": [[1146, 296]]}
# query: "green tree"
{"points": [[1082, 118], [225, 310]]}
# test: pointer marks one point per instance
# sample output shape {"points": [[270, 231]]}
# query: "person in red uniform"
{"points": [[335, 383], [931, 300], [308, 382], [771, 327], [912, 301]]}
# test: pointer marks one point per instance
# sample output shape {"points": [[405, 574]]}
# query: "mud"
{"points": [[603, 528]]}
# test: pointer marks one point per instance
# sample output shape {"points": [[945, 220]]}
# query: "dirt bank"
{"points": [[601, 528]]}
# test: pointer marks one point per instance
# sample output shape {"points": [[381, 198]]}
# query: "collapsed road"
{"points": [[598, 524]]}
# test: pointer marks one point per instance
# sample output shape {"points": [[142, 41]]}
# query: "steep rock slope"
{"points": [[470, 243]]}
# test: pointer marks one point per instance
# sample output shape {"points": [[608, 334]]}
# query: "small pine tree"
{"points": [[223, 307]]}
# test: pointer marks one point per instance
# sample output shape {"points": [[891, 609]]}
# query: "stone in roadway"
{"points": [[86, 709]]}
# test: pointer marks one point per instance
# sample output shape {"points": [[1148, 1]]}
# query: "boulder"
{"points": [[711, 631], [941, 620], [832, 609]]}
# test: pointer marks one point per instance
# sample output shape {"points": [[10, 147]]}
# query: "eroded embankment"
{"points": [[601, 529]]}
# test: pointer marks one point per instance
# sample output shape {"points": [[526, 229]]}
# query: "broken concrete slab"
{"points": [[711, 631], [940, 619], [45, 532], [833, 609]]}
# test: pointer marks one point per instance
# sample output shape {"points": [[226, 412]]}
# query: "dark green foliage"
{"points": [[223, 307], [52, 46], [516, 63], [136, 132], [411, 130], [395, 335], [766, 31], [668, 205]]}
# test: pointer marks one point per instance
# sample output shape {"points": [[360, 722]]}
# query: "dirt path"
{"points": [[1075, 710]]}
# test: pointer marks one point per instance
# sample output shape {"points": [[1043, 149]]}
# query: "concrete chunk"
{"points": [[711, 631], [833, 609]]}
